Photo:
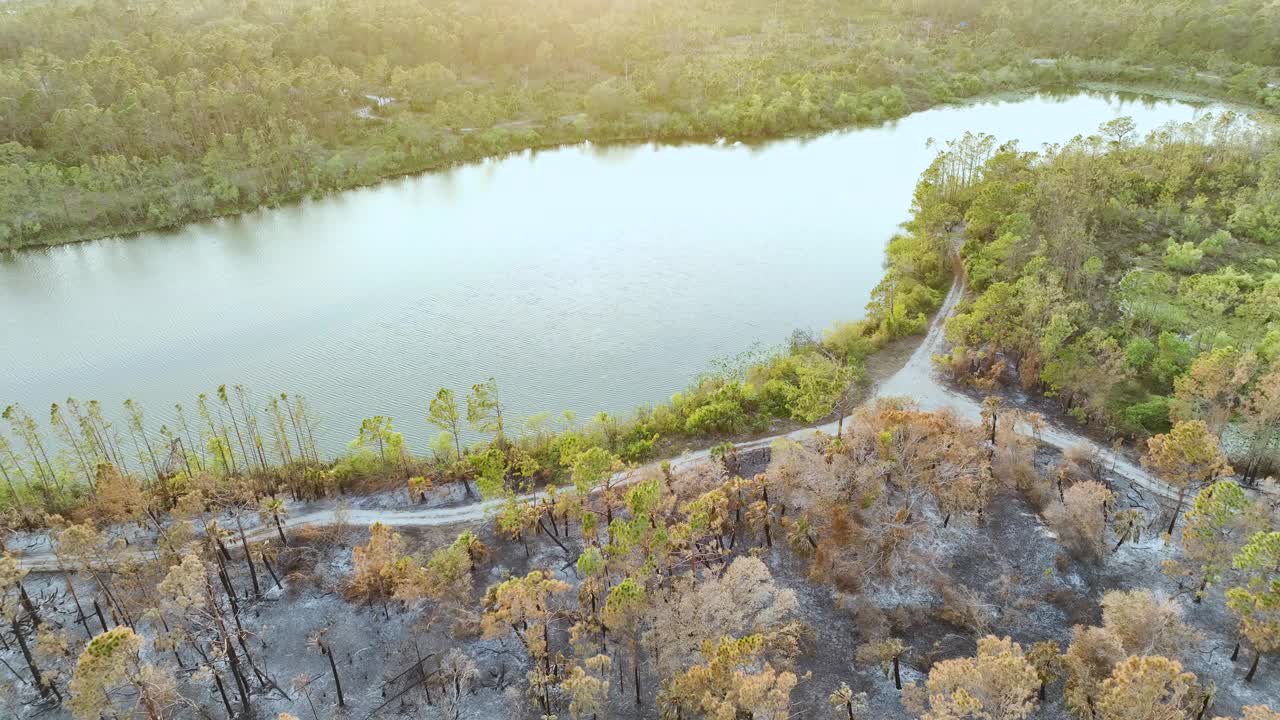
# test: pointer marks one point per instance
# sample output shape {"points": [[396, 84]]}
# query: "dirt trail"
{"points": [[916, 380]]}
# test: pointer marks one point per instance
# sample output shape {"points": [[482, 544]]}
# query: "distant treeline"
{"points": [[126, 116]]}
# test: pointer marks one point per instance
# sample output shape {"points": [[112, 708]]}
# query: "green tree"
{"points": [[484, 410], [591, 467], [821, 383], [999, 682], [1256, 603], [1185, 457], [1221, 519], [1148, 688], [443, 413], [623, 610], [111, 662], [378, 432]]}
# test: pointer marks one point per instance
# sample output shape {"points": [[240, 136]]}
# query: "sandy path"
{"points": [[918, 381]]}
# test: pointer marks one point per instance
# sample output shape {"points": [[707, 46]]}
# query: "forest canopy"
{"points": [[1135, 281], [121, 116]]}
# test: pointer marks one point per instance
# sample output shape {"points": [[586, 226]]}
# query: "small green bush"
{"points": [[1216, 244], [1151, 416], [1139, 353], [1183, 257]]}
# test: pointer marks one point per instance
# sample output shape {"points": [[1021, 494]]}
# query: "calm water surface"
{"points": [[584, 278]]}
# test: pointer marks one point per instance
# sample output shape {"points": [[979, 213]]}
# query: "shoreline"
{"points": [[882, 365], [887, 361], [686, 454], [622, 139], [944, 396]]}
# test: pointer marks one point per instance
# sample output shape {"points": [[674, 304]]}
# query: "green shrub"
{"points": [[776, 396], [723, 416], [638, 448], [1216, 244], [1151, 416], [1139, 353], [1259, 222], [1173, 355], [1183, 257], [849, 340]]}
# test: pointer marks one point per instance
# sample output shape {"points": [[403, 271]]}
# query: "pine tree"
{"points": [[1185, 458], [1256, 603], [1148, 688], [999, 682]]}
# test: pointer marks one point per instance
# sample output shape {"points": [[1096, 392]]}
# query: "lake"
{"points": [[585, 278]]}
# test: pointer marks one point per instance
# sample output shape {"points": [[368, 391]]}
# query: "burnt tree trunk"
{"points": [[31, 661], [222, 691], [337, 682], [280, 529], [1177, 509]]}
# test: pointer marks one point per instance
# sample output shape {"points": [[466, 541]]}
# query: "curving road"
{"points": [[916, 379]]}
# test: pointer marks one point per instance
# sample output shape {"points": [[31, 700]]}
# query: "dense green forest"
{"points": [[118, 116], [1137, 282]]}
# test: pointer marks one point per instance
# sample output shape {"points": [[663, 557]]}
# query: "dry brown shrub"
{"points": [[689, 483], [466, 626], [837, 559], [1029, 371], [1078, 608], [871, 621], [958, 364], [298, 583], [938, 650], [1078, 463], [903, 617], [1040, 494], [1014, 469], [298, 557], [964, 607], [319, 537], [1062, 563], [29, 519], [1013, 460], [369, 484], [991, 378], [1081, 519], [803, 478]]}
